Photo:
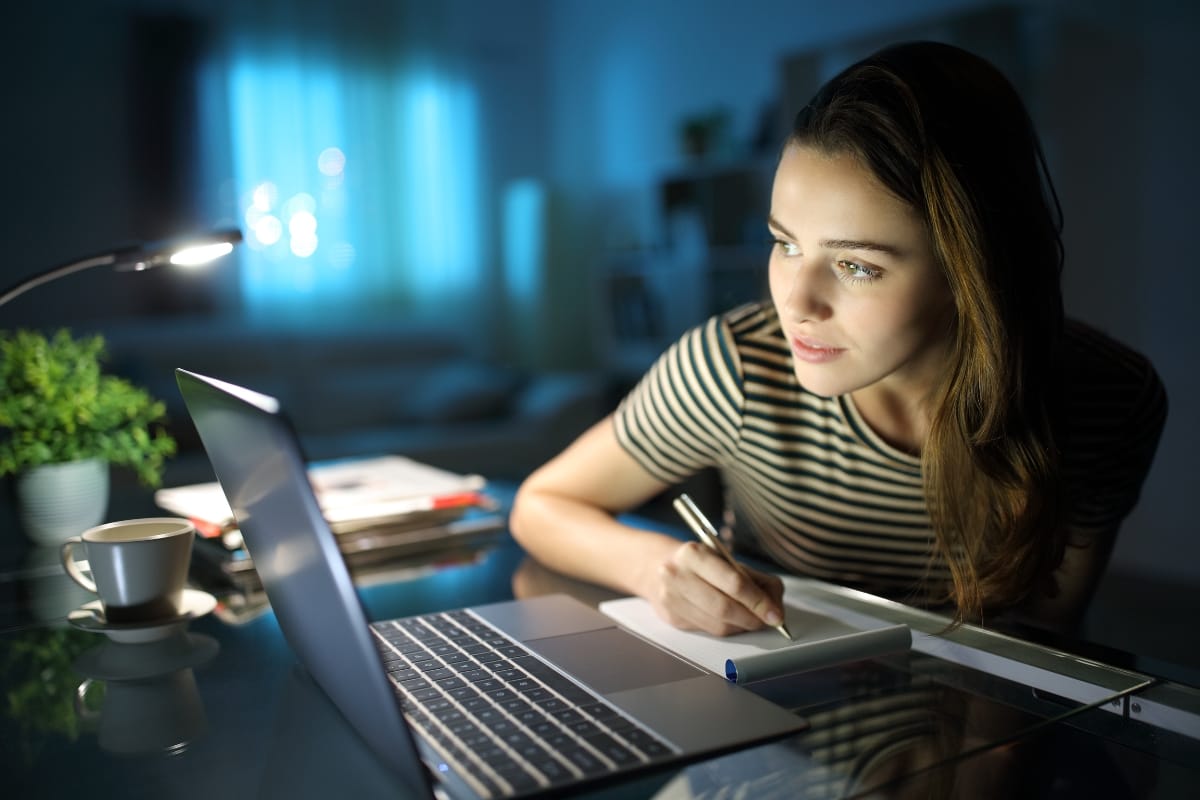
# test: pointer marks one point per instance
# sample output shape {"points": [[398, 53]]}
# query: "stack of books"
{"points": [[381, 508]]}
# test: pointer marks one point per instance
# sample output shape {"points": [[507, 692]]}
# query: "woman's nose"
{"points": [[808, 296]]}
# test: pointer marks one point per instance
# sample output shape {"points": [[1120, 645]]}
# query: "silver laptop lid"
{"points": [[258, 462]]}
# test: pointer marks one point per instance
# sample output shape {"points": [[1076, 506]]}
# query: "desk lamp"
{"points": [[192, 251]]}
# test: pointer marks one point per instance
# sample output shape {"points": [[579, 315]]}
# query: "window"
{"points": [[355, 181]]}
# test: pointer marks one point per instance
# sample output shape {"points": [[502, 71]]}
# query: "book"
{"points": [[382, 509], [819, 641], [245, 600], [226, 562], [354, 495]]}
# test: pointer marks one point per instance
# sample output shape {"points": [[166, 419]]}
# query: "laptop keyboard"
{"points": [[504, 720]]}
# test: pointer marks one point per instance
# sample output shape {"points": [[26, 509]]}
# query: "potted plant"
{"points": [[63, 419]]}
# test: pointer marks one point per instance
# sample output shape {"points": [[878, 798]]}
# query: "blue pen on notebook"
{"points": [[705, 531]]}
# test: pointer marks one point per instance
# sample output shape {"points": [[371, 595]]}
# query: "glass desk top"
{"points": [[220, 708]]}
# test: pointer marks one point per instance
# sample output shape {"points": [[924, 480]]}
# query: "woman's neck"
{"points": [[898, 417]]}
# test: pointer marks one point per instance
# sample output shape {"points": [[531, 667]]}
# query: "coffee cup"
{"points": [[138, 567]]}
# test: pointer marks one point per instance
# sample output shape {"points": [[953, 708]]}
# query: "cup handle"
{"points": [[73, 570]]}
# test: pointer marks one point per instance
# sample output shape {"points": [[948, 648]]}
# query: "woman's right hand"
{"points": [[565, 516], [696, 589]]}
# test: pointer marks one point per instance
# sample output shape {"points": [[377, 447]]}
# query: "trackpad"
{"points": [[611, 660]]}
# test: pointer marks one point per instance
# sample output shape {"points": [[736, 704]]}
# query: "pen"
{"points": [[705, 531]]}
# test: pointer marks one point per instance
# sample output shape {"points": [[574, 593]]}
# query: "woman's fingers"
{"points": [[699, 590]]}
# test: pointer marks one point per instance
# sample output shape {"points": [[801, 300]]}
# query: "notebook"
{"points": [[819, 641], [509, 699]]}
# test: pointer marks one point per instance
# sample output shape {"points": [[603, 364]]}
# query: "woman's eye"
{"points": [[852, 270], [787, 248]]}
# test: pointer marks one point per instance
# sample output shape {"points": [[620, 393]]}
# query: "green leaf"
{"points": [[57, 405]]}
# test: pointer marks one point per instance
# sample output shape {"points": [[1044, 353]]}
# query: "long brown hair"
{"points": [[947, 133]]}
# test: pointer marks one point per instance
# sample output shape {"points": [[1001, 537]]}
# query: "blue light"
{"points": [[359, 185], [524, 239]]}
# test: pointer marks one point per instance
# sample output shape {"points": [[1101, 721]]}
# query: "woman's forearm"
{"points": [[586, 542]]}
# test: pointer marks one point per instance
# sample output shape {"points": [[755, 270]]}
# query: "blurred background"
{"points": [[560, 186]]}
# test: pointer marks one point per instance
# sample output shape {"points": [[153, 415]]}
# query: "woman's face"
{"points": [[853, 277]]}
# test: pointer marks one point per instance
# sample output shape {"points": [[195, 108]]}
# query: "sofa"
{"points": [[421, 391]]}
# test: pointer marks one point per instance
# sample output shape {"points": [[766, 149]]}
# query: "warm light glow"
{"points": [[201, 254]]}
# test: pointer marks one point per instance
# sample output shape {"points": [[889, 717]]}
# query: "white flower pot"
{"points": [[56, 501]]}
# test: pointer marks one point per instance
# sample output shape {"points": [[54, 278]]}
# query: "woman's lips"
{"points": [[814, 351]]}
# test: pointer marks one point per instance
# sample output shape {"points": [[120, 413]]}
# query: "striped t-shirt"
{"points": [[809, 485]]}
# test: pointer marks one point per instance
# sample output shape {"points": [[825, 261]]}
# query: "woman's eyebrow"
{"points": [[839, 244], [857, 244], [774, 223]]}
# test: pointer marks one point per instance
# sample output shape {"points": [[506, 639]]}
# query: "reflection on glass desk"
{"points": [[220, 709]]}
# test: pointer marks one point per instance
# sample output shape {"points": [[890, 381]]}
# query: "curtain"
{"points": [[349, 145]]}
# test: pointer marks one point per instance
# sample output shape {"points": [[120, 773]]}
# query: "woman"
{"points": [[910, 414]]}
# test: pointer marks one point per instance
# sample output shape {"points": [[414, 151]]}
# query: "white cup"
{"points": [[139, 567]]}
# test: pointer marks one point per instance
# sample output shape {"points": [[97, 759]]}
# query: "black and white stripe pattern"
{"points": [[812, 488]]}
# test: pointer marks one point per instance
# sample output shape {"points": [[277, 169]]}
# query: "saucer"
{"points": [[90, 617], [111, 661]]}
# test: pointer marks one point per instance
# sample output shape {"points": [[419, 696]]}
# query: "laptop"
{"points": [[518, 698]]}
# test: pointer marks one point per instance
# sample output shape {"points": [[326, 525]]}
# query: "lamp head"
{"points": [[189, 252]]}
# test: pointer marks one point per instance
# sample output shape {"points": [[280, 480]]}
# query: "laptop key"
{"points": [[599, 711], [516, 706], [609, 747], [423, 695], [421, 656], [551, 769], [551, 704], [488, 657], [517, 778], [584, 728], [584, 761], [644, 742], [462, 694]]}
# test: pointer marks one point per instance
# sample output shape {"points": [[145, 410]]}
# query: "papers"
{"points": [[354, 495], [820, 641], [384, 509]]}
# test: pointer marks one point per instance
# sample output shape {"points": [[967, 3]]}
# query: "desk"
{"points": [[222, 710]]}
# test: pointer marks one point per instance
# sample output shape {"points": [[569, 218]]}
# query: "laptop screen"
{"points": [[259, 463]]}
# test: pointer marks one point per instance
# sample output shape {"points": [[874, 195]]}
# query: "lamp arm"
{"points": [[137, 258], [56, 273]]}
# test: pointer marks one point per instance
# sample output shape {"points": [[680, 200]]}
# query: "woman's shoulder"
{"points": [[1095, 361], [1114, 414], [752, 325], [1112, 392]]}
